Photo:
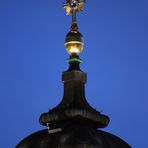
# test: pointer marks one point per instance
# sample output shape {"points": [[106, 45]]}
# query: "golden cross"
{"points": [[73, 6]]}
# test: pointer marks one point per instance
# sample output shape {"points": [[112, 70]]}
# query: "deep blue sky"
{"points": [[115, 57]]}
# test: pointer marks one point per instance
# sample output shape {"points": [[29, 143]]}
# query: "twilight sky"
{"points": [[115, 57]]}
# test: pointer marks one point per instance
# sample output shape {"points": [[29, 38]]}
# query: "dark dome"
{"points": [[73, 136]]}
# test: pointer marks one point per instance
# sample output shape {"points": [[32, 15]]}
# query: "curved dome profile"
{"points": [[73, 123], [73, 136]]}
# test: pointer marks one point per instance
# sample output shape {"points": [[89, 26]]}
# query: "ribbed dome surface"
{"points": [[73, 136]]}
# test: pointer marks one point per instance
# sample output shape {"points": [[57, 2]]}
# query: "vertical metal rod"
{"points": [[74, 16]]}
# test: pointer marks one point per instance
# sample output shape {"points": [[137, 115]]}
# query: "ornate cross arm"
{"points": [[73, 6]]}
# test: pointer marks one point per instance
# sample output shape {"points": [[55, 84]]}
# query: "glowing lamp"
{"points": [[74, 43]]}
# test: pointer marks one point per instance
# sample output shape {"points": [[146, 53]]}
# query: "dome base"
{"points": [[73, 136]]}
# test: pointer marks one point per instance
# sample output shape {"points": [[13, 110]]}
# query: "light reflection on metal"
{"points": [[51, 131], [74, 47]]}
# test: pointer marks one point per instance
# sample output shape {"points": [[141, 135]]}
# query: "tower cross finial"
{"points": [[73, 6]]}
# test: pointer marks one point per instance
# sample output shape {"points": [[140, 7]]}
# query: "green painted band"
{"points": [[74, 60]]}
